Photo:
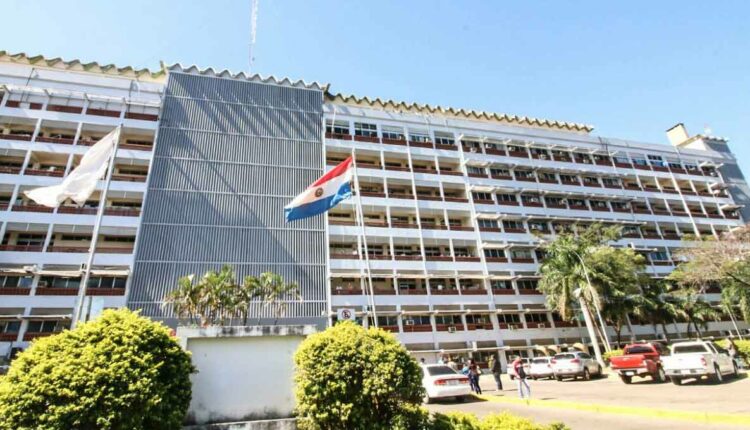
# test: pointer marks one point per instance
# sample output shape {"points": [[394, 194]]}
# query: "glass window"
{"points": [[366, 130], [506, 197], [501, 285], [444, 138], [494, 253], [393, 133], [340, 127], [419, 137]]}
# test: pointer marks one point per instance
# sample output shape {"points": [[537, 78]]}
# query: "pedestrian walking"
{"points": [[474, 373], [521, 378], [452, 364], [496, 368], [733, 354]]}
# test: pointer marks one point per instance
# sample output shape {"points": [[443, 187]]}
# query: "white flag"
{"points": [[81, 182]]}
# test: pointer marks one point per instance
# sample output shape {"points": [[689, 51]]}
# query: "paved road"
{"points": [[609, 404]]}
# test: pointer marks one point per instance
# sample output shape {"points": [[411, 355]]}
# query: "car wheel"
{"points": [[427, 399], [462, 399], [626, 379], [660, 375], [735, 371], [559, 378], [586, 375], [717, 377], [676, 381], [599, 372]]}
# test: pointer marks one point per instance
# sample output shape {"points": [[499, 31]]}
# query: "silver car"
{"points": [[574, 365]]}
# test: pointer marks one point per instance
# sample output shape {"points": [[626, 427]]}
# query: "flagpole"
{"points": [[361, 219], [95, 234]]}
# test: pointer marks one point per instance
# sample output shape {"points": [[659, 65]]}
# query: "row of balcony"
{"points": [[369, 133], [80, 107]]}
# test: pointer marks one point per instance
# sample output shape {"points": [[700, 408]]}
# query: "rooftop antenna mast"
{"points": [[253, 31]]}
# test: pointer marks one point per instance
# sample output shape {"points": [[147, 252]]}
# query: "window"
{"points": [[656, 160], [482, 196], [30, 239], [387, 320], [536, 317], [75, 238], [527, 284], [537, 226], [444, 139], [612, 182], [513, 225], [494, 253], [501, 285], [499, 172], [405, 250], [10, 326], [46, 326], [639, 160], [621, 159], [59, 282], [569, 178], [598, 204], [16, 281], [121, 239], [106, 282], [506, 197], [393, 133], [473, 145], [487, 223], [547, 176], [619, 205], [366, 130], [525, 174], [554, 201], [417, 320], [674, 164], [475, 170], [521, 254], [660, 255], [577, 202], [528, 198], [340, 127], [508, 318], [419, 137], [590, 180], [477, 319], [448, 319], [462, 252]]}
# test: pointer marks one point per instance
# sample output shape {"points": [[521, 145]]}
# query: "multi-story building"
{"points": [[455, 203]]}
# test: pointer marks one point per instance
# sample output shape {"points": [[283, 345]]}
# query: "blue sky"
{"points": [[631, 69]]}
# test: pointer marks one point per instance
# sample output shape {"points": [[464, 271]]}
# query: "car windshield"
{"points": [[638, 350], [565, 356], [440, 370], [689, 349], [540, 360]]}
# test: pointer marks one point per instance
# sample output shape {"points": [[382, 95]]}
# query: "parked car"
{"points": [[541, 367], [698, 359], [440, 381], [575, 364], [640, 359], [512, 372]]}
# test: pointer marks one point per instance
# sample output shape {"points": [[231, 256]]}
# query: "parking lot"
{"points": [[607, 403]]}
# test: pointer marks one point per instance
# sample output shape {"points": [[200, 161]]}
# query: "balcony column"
{"points": [[79, 129], [24, 325], [48, 238], [124, 108], [37, 130], [4, 99]]}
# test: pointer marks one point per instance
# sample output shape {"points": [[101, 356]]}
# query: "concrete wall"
{"points": [[244, 373]]}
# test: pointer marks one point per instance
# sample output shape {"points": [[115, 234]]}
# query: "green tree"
{"points": [[275, 293], [118, 372], [582, 269], [657, 306], [348, 377], [724, 261], [693, 308]]}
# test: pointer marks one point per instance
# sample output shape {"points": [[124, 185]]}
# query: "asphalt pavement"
{"points": [[608, 403]]}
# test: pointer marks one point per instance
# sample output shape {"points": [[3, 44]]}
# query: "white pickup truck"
{"points": [[698, 359]]}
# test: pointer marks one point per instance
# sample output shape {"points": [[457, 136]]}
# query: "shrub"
{"points": [[743, 348], [351, 378], [120, 371], [507, 421], [455, 421], [613, 353]]}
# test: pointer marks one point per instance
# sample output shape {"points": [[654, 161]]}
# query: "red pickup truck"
{"points": [[640, 359]]}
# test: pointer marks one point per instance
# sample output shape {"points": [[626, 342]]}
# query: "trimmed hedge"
{"points": [[501, 421], [120, 371], [743, 348], [351, 378], [613, 353]]}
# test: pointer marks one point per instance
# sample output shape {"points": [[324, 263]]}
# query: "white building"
{"points": [[454, 201]]}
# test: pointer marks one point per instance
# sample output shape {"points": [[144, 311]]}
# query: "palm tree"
{"points": [[566, 280], [694, 309], [276, 294], [185, 299]]}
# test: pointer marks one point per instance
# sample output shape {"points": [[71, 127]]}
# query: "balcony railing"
{"points": [[21, 248], [31, 207], [56, 291], [368, 139], [105, 291], [8, 337], [38, 172], [59, 140], [14, 291]]}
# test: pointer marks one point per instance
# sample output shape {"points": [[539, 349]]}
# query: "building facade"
{"points": [[455, 203]]}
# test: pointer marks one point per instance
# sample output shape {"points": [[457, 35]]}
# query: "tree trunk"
{"points": [[689, 322], [630, 328], [697, 329], [664, 330]]}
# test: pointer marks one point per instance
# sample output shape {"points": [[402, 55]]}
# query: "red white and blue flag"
{"points": [[323, 194]]}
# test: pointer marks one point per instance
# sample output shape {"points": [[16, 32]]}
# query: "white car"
{"points": [[512, 372], [440, 381], [575, 364], [541, 367], [697, 360]]}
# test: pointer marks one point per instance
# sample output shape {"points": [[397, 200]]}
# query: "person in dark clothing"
{"points": [[474, 373], [497, 369]]}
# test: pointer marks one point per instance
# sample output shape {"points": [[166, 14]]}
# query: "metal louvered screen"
{"points": [[229, 155]]}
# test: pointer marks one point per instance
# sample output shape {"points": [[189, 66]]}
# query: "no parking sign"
{"points": [[346, 314]]}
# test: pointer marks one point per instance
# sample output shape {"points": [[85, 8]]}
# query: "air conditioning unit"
{"points": [[409, 322], [512, 327], [542, 325], [452, 329]]}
